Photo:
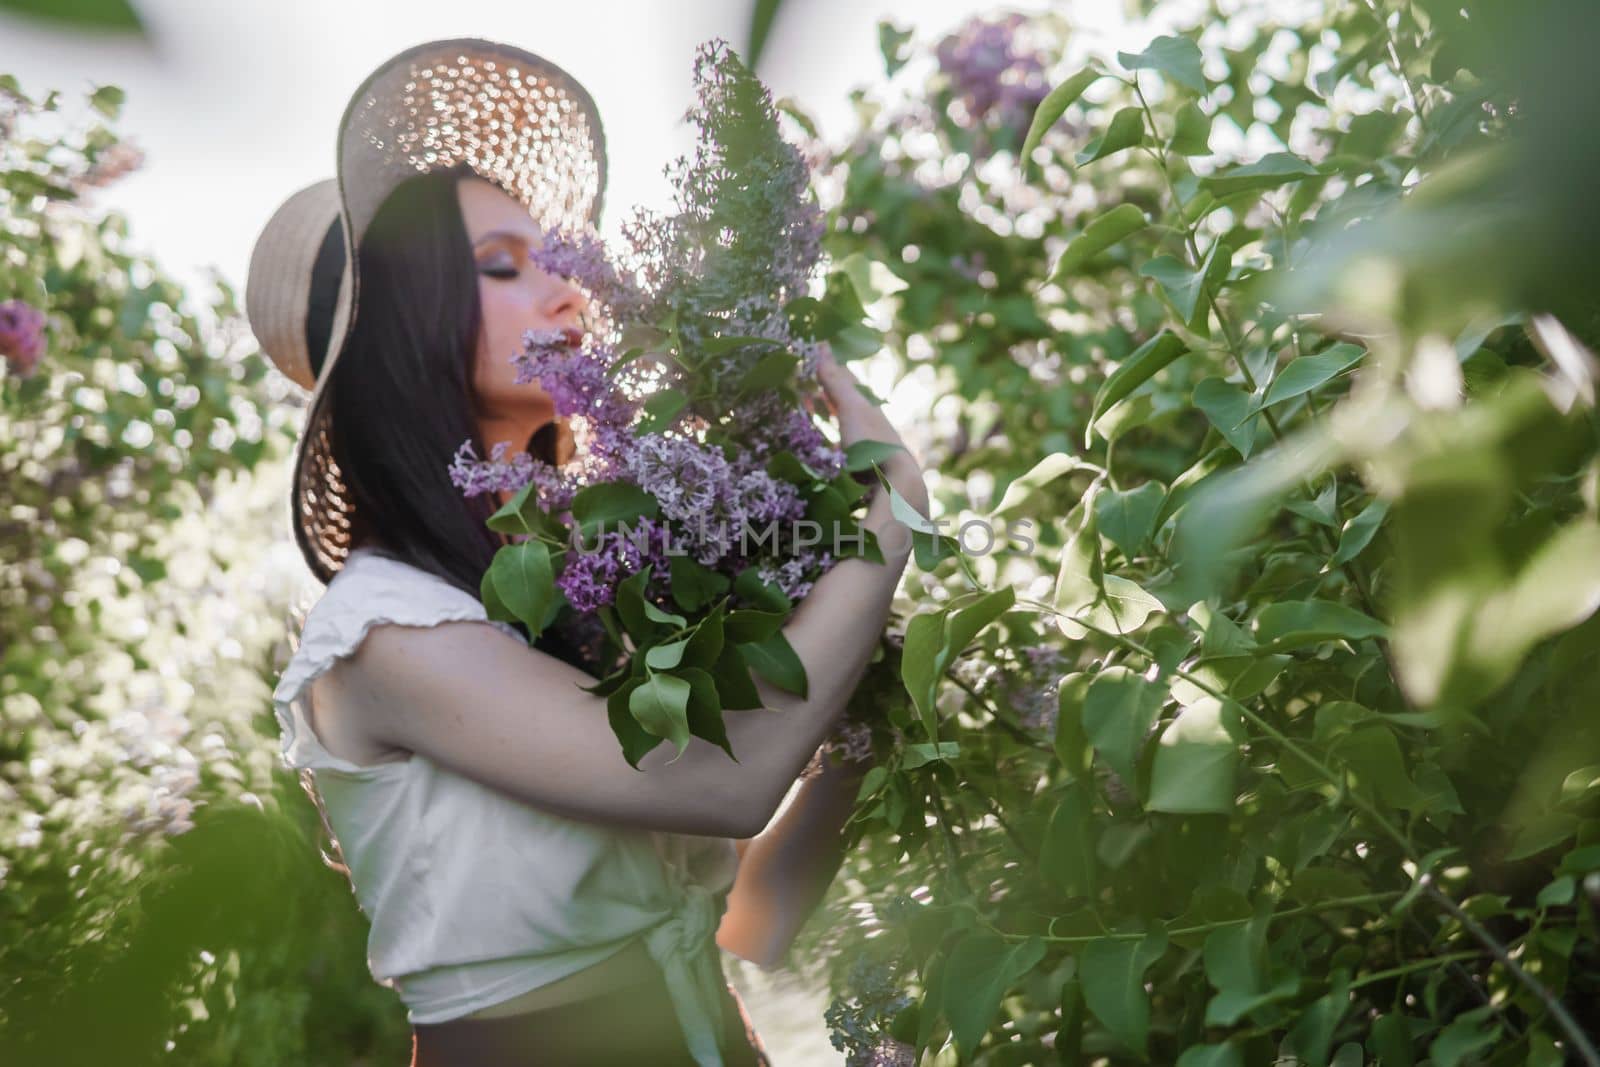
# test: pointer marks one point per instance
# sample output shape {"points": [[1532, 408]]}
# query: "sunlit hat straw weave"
{"points": [[513, 117]]}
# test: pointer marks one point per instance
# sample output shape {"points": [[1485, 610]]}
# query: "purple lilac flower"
{"points": [[745, 222], [796, 575], [574, 374], [21, 337], [584, 258], [759, 498], [1041, 707], [813, 449], [990, 74], [852, 741], [686, 477], [1044, 657], [555, 487], [589, 579], [595, 567]]}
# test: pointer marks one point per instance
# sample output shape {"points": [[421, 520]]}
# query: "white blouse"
{"points": [[474, 895]]}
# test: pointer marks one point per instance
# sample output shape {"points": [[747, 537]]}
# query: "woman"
{"points": [[533, 898]]}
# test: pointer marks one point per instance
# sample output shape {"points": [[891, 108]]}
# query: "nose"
{"points": [[564, 306]]}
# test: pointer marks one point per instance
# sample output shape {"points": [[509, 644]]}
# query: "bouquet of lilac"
{"points": [[705, 500]]}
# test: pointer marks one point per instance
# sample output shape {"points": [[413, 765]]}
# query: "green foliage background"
{"points": [[1277, 745]]}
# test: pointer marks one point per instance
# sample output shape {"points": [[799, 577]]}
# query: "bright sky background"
{"points": [[235, 103]]}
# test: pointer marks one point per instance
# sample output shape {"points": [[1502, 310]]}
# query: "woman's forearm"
{"points": [[786, 870]]}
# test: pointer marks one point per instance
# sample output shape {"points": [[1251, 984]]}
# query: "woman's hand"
{"points": [[862, 420]]}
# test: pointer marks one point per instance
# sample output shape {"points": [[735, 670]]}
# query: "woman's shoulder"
{"points": [[372, 589]]}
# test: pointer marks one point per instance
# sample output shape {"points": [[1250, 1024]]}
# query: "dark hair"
{"points": [[404, 395]]}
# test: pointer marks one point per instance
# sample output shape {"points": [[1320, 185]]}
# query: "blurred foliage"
{"points": [[159, 877], [95, 15], [1276, 742]]}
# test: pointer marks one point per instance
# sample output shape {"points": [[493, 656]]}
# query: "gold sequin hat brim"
{"points": [[516, 119]]}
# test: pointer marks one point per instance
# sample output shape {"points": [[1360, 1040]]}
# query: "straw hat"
{"points": [[515, 118]]}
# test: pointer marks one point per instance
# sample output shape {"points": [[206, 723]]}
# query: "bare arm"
{"points": [[785, 871], [471, 698]]}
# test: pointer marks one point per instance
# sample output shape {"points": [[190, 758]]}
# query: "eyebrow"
{"points": [[500, 234]]}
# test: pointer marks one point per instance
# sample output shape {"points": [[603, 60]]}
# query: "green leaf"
{"points": [[1231, 410], [860, 455], [1468, 1033], [524, 583], [1268, 172], [731, 673], [1187, 286], [1308, 372], [983, 966], [705, 642], [775, 660], [630, 605], [611, 504], [1099, 235], [1070, 743], [1229, 505], [636, 741], [1312, 1033], [1191, 136], [522, 515], [1022, 490], [1559, 892], [108, 99], [1053, 106], [1231, 1005], [1178, 58], [856, 341], [1298, 623], [1377, 766], [705, 709], [935, 639], [1227, 1055], [1126, 131], [924, 638], [1129, 517], [758, 593], [1359, 531], [1235, 957], [665, 657], [1118, 711], [1078, 576], [655, 614], [771, 371], [872, 279], [1133, 372], [963, 625], [660, 409], [1112, 972], [693, 585], [1194, 764], [917, 755], [747, 625], [1067, 855], [1556, 588], [660, 704], [1390, 1041]]}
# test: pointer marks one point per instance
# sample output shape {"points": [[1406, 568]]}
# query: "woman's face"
{"points": [[514, 296]]}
